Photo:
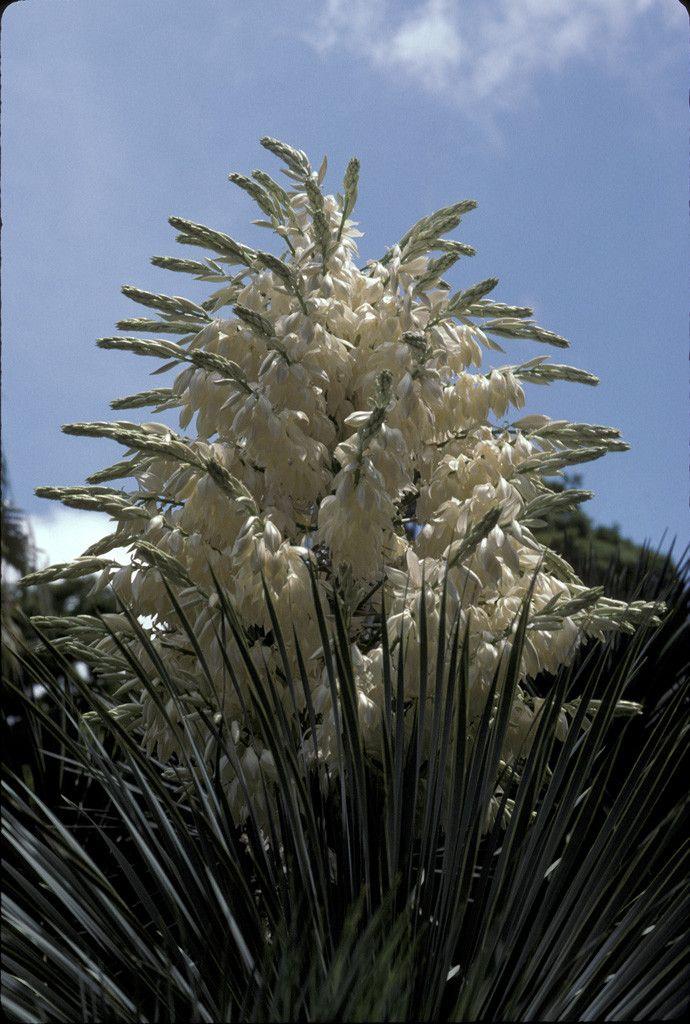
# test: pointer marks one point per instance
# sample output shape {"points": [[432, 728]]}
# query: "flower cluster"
{"points": [[345, 438]]}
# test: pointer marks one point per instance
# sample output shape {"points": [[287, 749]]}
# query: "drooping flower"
{"points": [[342, 429]]}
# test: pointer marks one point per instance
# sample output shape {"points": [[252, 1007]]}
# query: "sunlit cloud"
{"points": [[482, 56], [61, 534]]}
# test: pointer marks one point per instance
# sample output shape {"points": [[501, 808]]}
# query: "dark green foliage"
{"points": [[601, 555], [68, 597], [386, 893]]}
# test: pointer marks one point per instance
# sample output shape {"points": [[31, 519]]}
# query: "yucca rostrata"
{"points": [[351, 459]]}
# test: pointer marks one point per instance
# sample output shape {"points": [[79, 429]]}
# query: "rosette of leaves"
{"points": [[431, 880]]}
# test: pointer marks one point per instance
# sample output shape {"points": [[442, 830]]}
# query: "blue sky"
{"points": [[565, 121]]}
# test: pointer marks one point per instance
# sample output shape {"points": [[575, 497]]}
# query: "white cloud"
{"points": [[482, 55], [427, 45], [62, 534]]}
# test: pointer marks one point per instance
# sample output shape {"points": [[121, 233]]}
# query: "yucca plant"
{"points": [[346, 436], [389, 892], [326, 780]]}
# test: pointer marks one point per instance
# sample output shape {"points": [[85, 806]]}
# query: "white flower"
{"points": [[334, 406]]}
